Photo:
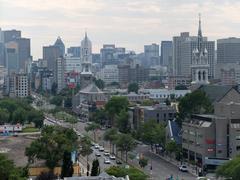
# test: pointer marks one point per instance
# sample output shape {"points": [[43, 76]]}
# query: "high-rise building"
{"points": [[60, 70], [183, 47], [12, 57], [228, 50], [228, 73], [151, 53], [110, 54], [177, 42], [11, 35], [86, 59], [109, 74], [17, 85], [50, 54], [1, 36], [166, 54], [24, 52], [59, 43], [200, 64], [74, 51], [2, 54], [73, 64]]}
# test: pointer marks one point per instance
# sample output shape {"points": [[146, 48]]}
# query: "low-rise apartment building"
{"points": [[210, 139]]}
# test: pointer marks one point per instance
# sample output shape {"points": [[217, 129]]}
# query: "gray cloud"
{"points": [[126, 23]]}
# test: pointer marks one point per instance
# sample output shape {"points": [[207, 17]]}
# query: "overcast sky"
{"points": [[127, 23]]}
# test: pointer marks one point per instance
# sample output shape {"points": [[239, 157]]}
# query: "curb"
{"points": [[190, 172]]}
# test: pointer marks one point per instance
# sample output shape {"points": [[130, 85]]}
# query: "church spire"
{"points": [[200, 38]]}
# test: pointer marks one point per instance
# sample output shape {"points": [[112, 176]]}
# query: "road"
{"points": [[161, 169]]}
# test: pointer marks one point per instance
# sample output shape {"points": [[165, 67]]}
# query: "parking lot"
{"points": [[14, 148]]}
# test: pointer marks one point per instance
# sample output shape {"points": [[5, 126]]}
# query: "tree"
{"points": [[85, 149], [167, 102], [19, 116], [4, 116], [123, 123], [125, 143], [171, 147], [111, 136], [56, 100], [153, 133], [133, 87], [194, 103], [100, 83], [95, 168], [93, 127], [54, 88], [143, 162], [114, 106], [230, 169], [132, 172], [8, 170], [181, 87], [148, 102], [68, 102], [67, 166], [52, 144], [99, 117], [36, 117]]}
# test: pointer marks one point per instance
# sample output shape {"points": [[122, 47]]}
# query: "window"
{"points": [[238, 148]]}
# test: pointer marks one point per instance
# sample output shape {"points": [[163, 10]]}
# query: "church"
{"points": [[90, 97]]}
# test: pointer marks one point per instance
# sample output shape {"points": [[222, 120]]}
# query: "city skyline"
{"points": [[126, 24]]}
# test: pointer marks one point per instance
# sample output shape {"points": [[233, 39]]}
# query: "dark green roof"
{"points": [[215, 92]]}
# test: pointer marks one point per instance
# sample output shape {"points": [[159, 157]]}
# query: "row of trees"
{"points": [[54, 145], [19, 111], [9, 171]]}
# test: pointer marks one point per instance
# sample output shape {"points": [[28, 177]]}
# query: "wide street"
{"points": [[161, 168]]}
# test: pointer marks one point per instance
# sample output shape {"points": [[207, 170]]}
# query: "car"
{"points": [[202, 178], [112, 157], [101, 148], [96, 146], [106, 154], [118, 162], [183, 168], [98, 155], [106, 161]]}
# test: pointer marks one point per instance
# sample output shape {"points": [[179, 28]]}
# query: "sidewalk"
{"points": [[191, 168]]}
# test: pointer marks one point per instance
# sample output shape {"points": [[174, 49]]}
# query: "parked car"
{"points": [[106, 161], [97, 154], [101, 148], [96, 146], [202, 178], [118, 162], [183, 168], [112, 157]]}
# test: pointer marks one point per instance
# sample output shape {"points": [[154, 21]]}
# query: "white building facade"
{"points": [[109, 74], [73, 64]]}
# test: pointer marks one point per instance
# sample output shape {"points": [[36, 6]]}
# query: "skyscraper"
{"points": [[24, 52], [200, 65], [60, 70], [50, 54], [166, 55], [59, 43], [74, 51], [86, 58], [12, 57], [228, 50], [151, 53], [183, 47], [11, 35]]}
